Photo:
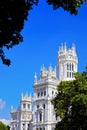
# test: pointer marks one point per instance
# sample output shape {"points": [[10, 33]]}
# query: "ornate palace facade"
{"points": [[37, 112]]}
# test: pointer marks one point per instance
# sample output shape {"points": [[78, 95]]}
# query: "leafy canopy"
{"points": [[3, 126], [13, 13], [71, 103], [68, 5]]}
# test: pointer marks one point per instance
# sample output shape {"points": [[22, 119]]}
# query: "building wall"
{"points": [[37, 112]]}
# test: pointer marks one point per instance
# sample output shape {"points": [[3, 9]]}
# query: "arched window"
{"points": [[37, 106], [70, 67], [23, 126], [52, 92]]}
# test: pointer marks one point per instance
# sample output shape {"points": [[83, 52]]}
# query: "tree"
{"points": [[68, 5], [71, 103], [3, 126], [8, 127], [13, 13]]}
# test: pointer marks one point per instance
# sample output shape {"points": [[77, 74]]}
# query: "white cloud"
{"points": [[5, 121], [2, 104]]}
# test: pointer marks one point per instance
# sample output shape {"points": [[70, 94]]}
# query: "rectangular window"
{"points": [[67, 74], [70, 74], [44, 106], [44, 93], [43, 128], [40, 116], [38, 94], [56, 116], [28, 127], [24, 105], [41, 94], [37, 106], [28, 106]]}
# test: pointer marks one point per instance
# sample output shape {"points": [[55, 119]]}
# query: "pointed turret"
{"points": [[67, 63], [35, 78]]}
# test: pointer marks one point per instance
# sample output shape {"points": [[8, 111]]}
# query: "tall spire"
{"points": [[61, 46], [73, 49], [73, 46]]}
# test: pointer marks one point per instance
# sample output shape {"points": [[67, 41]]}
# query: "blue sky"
{"points": [[43, 33]]}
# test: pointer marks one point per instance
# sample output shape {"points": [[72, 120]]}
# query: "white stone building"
{"points": [[37, 112]]}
